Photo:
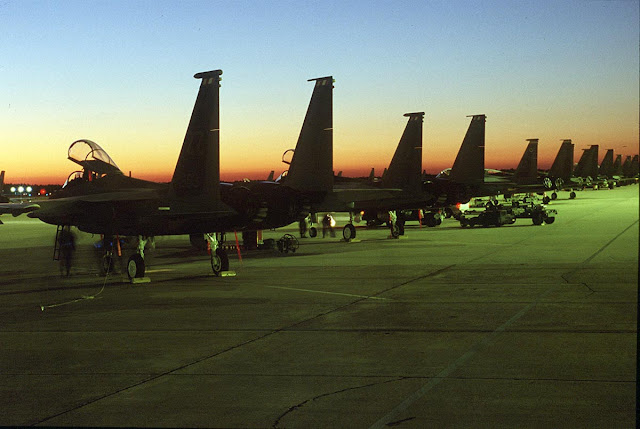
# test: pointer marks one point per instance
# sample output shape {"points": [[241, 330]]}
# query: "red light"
{"points": [[43, 191]]}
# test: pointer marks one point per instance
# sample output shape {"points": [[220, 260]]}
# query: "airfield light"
{"points": [[29, 189], [43, 191], [20, 189], [13, 189]]}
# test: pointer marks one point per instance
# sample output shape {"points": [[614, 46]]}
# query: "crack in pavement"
{"points": [[305, 402]]}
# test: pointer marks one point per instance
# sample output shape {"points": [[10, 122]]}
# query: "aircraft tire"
{"points": [[219, 261], [549, 220], [135, 267], [430, 220], [313, 232], [107, 264], [554, 195], [572, 195], [464, 223], [349, 232], [537, 219]]}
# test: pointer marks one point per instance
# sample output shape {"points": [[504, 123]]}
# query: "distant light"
{"points": [[29, 189], [13, 189], [43, 191], [20, 189]]}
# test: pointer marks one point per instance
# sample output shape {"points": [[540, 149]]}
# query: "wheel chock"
{"points": [[137, 280], [229, 273], [352, 240]]}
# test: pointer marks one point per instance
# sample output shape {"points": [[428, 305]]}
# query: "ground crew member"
{"points": [[327, 222], [67, 247]]}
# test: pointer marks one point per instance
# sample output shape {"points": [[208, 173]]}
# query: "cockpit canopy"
{"points": [[92, 157]]}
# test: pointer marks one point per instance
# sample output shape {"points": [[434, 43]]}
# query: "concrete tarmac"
{"points": [[517, 326]]}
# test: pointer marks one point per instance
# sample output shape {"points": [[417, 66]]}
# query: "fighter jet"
{"points": [[100, 199], [311, 167], [466, 179]]}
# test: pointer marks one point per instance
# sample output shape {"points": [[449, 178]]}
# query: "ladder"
{"points": [[56, 245]]}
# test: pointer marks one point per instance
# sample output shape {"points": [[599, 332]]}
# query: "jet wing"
{"points": [[17, 209], [128, 195]]}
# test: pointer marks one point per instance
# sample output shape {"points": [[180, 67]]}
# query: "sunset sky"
{"points": [[120, 73]]}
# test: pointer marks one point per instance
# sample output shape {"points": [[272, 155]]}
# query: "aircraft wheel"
{"points": [[464, 223], [219, 261], [107, 264], [537, 219], [546, 200], [400, 226], [572, 195], [395, 231], [135, 266], [349, 232], [313, 232], [549, 219], [439, 221], [554, 195]]}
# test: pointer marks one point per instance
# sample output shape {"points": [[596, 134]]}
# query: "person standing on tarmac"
{"points": [[393, 219], [67, 243], [327, 222], [303, 224]]}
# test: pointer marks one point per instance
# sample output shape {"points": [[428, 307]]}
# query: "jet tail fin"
{"points": [[606, 167], [617, 166], [588, 163], [1, 181], [469, 164], [196, 180], [270, 177], [562, 166], [372, 175], [527, 171], [311, 168], [405, 169]]}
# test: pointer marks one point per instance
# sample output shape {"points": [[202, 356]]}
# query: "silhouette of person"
{"points": [[327, 221], [67, 247]]}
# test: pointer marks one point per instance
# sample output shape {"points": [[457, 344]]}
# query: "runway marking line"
{"points": [[444, 374], [327, 293]]}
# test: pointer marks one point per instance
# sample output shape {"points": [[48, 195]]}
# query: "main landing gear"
{"points": [[136, 266], [219, 258], [349, 231]]}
